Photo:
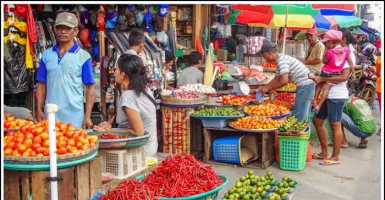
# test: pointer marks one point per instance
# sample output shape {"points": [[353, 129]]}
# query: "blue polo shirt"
{"points": [[64, 78]]}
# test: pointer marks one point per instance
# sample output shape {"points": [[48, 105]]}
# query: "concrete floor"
{"points": [[357, 177]]}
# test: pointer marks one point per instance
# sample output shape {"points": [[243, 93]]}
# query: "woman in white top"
{"points": [[136, 111]]}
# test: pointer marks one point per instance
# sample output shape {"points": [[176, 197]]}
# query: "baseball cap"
{"points": [[163, 10], [66, 19], [311, 32], [332, 35], [267, 46]]}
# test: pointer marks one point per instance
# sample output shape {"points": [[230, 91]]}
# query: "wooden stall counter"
{"points": [[79, 182], [265, 145]]}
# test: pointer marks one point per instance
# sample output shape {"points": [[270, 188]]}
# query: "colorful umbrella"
{"points": [[273, 16]]}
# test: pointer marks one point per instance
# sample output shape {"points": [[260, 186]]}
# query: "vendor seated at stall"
{"points": [[137, 111], [192, 74], [358, 119], [288, 66]]}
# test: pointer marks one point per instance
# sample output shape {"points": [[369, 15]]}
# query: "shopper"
{"points": [[334, 59], [358, 119], [333, 108], [315, 52], [290, 67], [192, 74], [137, 109], [136, 42], [64, 70], [170, 59]]}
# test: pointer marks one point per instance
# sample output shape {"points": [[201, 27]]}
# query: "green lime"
{"points": [[263, 194], [226, 196], [291, 183], [243, 179], [231, 196], [271, 177], [238, 184], [267, 187], [253, 190], [239, 190], [284, 196], [285, 185], [231, 191], [247, 176], [242, 193], [272, 197], [236, 195], [276, 190], [277, 198], [280, 185], [281, 191], [269, 173], [246, 197], [289, 180], [259, 189], [257, 177], [253, 182], [284, 178], [263, 179]]}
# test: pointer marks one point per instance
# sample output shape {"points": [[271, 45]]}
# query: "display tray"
{"points": [[42, 162], [253, 130], [11, 130], [41, 167], [133, 141], [292, 132], [217, 117]]}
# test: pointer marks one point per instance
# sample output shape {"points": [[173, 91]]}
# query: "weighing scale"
{"points": [[240, 86]]}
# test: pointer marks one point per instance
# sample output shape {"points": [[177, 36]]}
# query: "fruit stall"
{"points": [[27, 161]]}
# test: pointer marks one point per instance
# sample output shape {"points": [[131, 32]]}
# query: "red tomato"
{"points": [[15, 152], [86, 146], [71, 142], [45, 143], [68, 148], [40, 154], [28, 136], [22, 148], [28, 142], [79, 145], [8, 151], [11, 134], [39, 150], [35, 146], [26, 153], [24, 129], [74, 149], [19, 140], [39, 130], [11, 144], [37, 139], [7, 125], [61, 143], [33, 131], [61, 138], [92, 144], [62, 150], [44, 136], [62, 127], [46, 152], [69, 133], [32, 153]]}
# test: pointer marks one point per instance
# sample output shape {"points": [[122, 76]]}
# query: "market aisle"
{"points": [[357, 177]]}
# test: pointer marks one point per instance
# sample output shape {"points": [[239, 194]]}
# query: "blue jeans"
{"points": [[303, 98], [331, 109], [349, 124]]}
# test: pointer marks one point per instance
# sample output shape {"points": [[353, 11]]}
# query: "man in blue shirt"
{"points": [[63, 71]]}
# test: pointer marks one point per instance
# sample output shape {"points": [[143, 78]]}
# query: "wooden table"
{"points": [[265, 146]]}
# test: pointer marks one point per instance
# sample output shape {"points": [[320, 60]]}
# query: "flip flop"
{"points": [[317, 156], [363, 145], [329, 162]]}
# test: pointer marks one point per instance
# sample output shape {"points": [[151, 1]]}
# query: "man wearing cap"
{"points": [[64, 70], [315, 52], [288, 66]]}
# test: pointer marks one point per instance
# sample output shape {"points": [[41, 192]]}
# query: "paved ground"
{"points": [[357, 177]]}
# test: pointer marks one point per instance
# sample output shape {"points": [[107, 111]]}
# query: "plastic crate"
{"points": [[292, 152], [214, 123], [123, 163], [227, 149]]}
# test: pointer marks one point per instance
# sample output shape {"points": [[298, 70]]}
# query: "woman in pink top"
{"points": [[334, 60]]}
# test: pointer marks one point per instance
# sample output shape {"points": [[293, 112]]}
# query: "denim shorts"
{"points": [[331, 109], [328, 75], [302, 104], [349, 124]]}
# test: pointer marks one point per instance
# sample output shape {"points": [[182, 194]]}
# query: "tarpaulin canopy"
{"points": [[368, 30]]}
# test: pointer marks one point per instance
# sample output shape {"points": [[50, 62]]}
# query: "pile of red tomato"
{"points": [[269, 65], [235, 99], [253, 122], [269, 108], [15, 123], [32, 139]]}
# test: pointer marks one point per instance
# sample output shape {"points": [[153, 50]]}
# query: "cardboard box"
{"points": [[222, 55]]}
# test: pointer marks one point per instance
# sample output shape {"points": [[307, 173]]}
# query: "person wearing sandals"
{"points": [[332, 109], [334, 59], [358, 119]]}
